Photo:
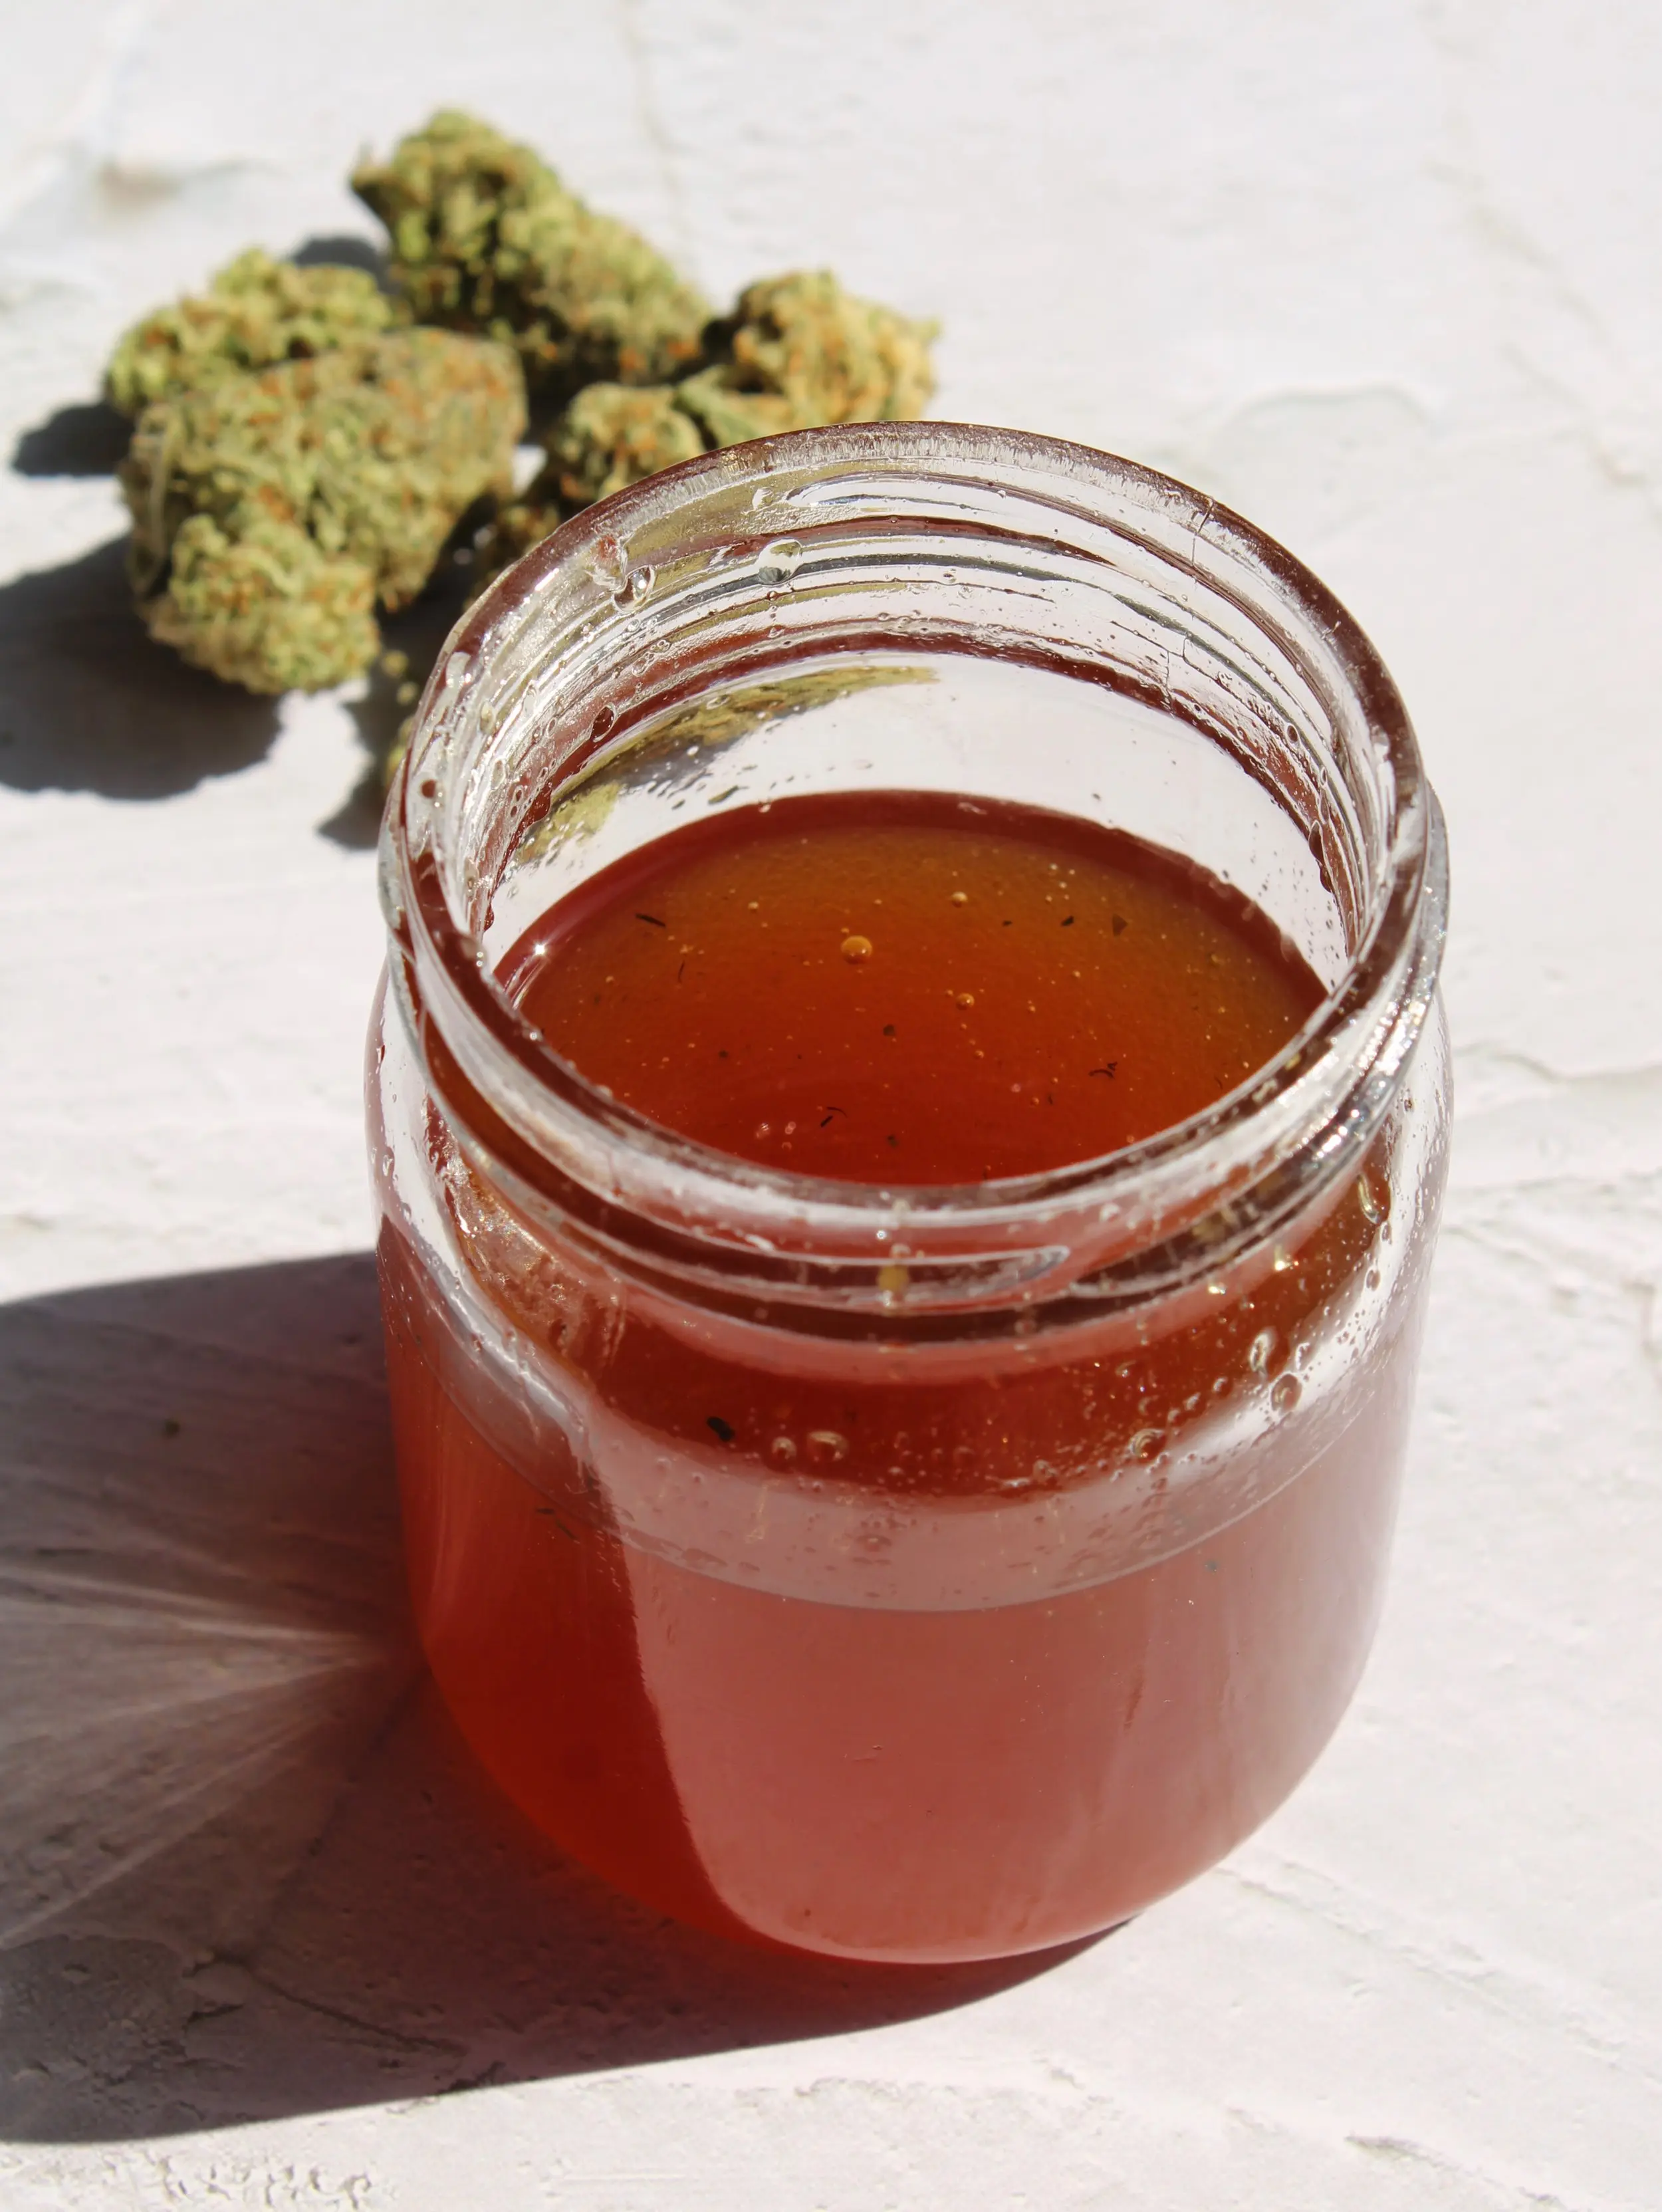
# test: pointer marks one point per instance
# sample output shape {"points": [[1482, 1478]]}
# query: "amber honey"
{"points": [[911, 988], [902, 990]]}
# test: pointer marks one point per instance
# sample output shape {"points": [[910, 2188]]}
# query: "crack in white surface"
{"points": [[1595, 386], [1402, 2149], [87, 127], [639, 48], [1627, 2046], [1561, 1173], [1462, 168], [374, 2031], [1502, 1074]]}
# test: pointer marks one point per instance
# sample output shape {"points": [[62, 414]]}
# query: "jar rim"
{"points": [[1323, 1093]]}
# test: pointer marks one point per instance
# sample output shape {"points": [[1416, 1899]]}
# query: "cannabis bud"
{"points": [[797, 351], [302, 454], [274, 512], [255, 312], [485, 237]]}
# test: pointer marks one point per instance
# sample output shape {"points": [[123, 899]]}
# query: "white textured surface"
{"points": [[1383, 276]]}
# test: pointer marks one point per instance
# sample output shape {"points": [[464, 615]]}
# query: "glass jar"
{"points": [[925, 1573]]}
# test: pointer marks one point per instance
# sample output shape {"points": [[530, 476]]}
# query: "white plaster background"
{"points": [[1384, 276]]}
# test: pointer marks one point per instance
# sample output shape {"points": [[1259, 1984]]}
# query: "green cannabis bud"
{"points": [[612, 434], [797, 352], [255, 311], [485, 237], [274, 512]]}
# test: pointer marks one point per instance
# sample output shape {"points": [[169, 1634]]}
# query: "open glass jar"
{"points": [[1046, 1538]]}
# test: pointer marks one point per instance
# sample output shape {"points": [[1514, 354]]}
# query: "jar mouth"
{"points": [[1295, 689]]}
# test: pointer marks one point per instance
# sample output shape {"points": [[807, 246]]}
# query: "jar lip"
{"points": [[1385, 986]]}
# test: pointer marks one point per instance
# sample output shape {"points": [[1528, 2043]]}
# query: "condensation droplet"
{"points": [[1146, 1442], [782, 1451], [857, 949], [1282, 1260], [608, 563], [1285, 1393], [826, 1447], [1369, 1199], [635, 587], [1261, 1350], [778, 562]]}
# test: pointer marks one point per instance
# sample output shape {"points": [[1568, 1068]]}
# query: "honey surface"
{"points": [[910, 988]]}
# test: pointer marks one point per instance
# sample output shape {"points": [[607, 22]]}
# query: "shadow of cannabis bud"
{"points": [[485, 237], [272, 513], [255, 312], [797, 352]]}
